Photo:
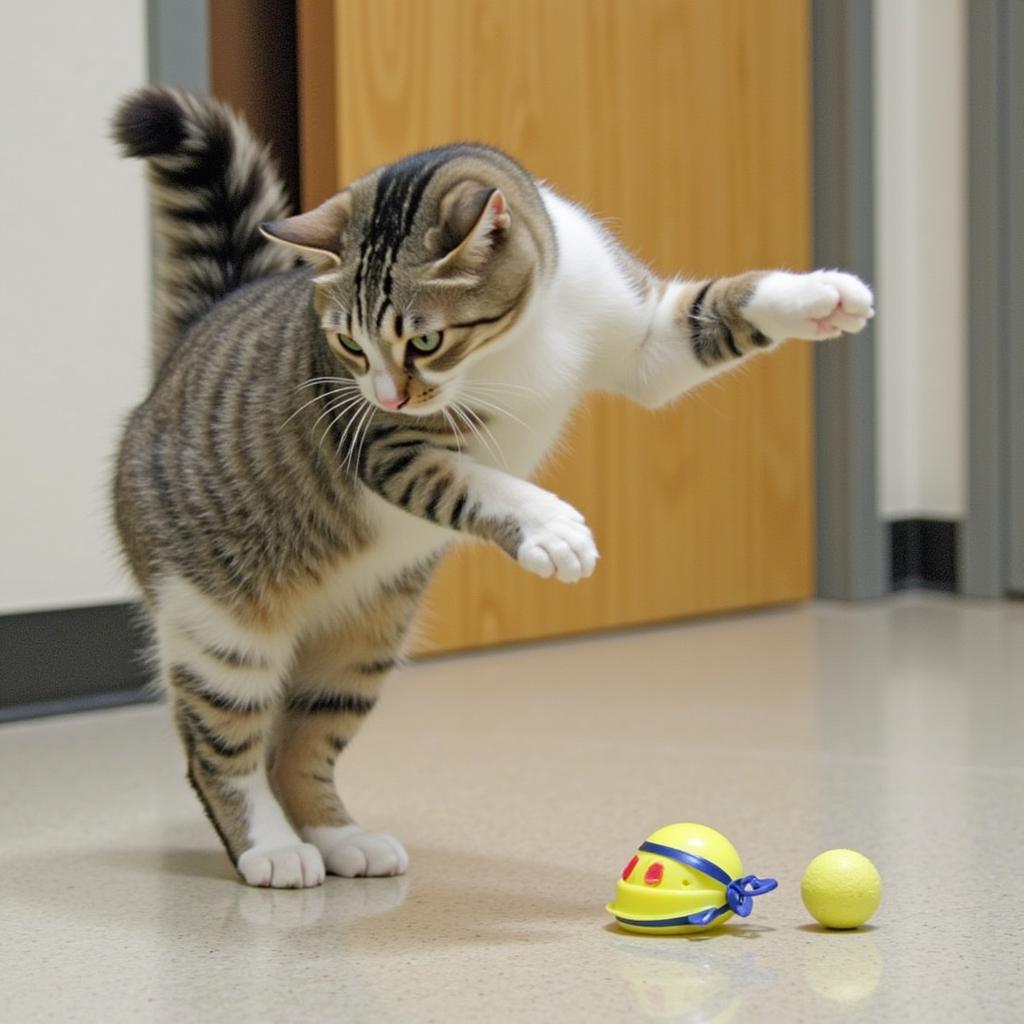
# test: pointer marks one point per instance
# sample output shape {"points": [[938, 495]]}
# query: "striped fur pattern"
{"points": [[317, 436]]}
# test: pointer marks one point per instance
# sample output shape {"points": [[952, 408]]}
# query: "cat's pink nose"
{"points": [[388, 396]]}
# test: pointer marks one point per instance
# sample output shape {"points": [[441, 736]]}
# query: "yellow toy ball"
{"points": [[684, 878], [841, 888]]}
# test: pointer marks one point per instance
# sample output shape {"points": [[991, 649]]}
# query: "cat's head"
{"points": [[424, 266]]}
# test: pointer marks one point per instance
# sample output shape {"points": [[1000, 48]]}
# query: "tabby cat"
{"points": [[317, 434]]}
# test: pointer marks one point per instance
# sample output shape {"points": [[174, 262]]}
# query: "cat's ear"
{"points": [[316, 235], [473, 220]]}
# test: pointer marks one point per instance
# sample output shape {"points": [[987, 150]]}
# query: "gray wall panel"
{"points": [[179, 48], [1014, 279], [852, 542], [983, 548], [71, 654]]}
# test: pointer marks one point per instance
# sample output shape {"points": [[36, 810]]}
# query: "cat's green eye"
{"points": [[426, 342], [350, 344]]}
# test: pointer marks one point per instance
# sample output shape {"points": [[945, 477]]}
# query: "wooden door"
{"points": [[683, 123]]}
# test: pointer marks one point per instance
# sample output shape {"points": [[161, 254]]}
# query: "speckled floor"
{"points": [[521, 782]]}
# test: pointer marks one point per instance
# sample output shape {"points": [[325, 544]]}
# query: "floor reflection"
{"points": [[673, 978]]}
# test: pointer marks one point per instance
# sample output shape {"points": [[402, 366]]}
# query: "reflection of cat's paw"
{"points": [[352, 853], [823, 304], [298, 866], [282, 911], [557, 542]]}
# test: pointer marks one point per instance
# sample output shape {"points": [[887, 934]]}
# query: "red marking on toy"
{"points": [[627, 870], [654, 873]]}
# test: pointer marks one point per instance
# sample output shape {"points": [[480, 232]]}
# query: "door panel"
{"points": [[684, 124]]}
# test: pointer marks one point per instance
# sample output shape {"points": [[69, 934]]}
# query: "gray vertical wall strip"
{"points": [[1014, 279], [852, 542], [983, 550], [179, 43]]}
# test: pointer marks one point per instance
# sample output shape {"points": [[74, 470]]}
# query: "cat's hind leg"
{"points": [[225, 686], [332, 688]]}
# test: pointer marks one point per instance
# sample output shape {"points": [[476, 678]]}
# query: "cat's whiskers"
{"points": [[456, 411], [366, 430], [472, 422], [363, 416], [335, 403], [483, 424], [348, 435], [331, 425], [502, 385], [501, 410], [325, 380], [456, 433], [306, 405], [338, 407], [352, 417], [361, 429]]}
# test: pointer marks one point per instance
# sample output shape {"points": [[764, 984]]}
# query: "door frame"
{"points": [[852, 540], [992, 562], [178, 41]]}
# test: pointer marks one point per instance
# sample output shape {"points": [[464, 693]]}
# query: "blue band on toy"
{"points": [[739, 892]]}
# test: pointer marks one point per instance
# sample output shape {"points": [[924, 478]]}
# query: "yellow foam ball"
{"points": [[841, 888]]}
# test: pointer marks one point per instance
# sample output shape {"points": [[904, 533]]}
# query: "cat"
{"points": [[319, 431]]}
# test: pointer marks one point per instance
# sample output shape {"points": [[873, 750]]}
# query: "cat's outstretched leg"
{"points": [[224, 686], [700, 329], [545, 535], [332, 688]]}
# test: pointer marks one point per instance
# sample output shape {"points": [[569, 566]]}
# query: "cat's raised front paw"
{"points": [[816, 306], [557, 542], [297, 866], [352, 853]]}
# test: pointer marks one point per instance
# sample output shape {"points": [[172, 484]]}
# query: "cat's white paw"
{"points": [[296, 866], [352, 853], [823, 304], [556, 541]]}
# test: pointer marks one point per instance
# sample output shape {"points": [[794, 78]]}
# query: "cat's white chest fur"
{"points": [[524, 391]]}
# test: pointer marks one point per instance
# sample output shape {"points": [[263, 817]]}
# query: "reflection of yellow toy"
{"points": [[669, 988], [684, 878], [841, 888]]}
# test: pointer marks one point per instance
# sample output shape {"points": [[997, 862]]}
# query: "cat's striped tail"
{"points": [[211, 185]]}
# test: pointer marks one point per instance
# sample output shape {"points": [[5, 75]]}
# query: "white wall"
{"points": [[921, 225], [74, 294]]}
